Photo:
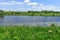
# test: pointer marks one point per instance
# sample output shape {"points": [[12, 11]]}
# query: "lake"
{"points": [[30, 20]]}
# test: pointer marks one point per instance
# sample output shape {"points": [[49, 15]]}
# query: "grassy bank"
{"points": [[29, 33]]}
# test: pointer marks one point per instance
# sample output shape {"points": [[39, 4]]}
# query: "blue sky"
{"points": [[26, 5]]}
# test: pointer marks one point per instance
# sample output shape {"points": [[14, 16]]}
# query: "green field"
{"points": [[29, 33]]}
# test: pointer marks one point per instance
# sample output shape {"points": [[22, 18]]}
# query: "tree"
{"points": [[1, 13]]}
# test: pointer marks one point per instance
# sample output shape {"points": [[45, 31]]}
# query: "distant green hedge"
{"points": [[30, 13]]}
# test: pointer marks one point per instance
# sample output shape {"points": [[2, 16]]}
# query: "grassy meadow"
{"points": [[29, 33]]}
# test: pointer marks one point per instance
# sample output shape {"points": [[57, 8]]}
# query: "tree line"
{"points": [[29, 13]]}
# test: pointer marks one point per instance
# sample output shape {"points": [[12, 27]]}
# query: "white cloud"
{"points": [[32, 3], [11, 3], [28, 5], [49, 7], [45, 7], [26, 1]]}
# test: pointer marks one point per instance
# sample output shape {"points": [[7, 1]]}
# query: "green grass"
{"points": [[29, 33]]}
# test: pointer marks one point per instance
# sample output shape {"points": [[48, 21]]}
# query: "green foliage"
{"points": [[29, 13], [1, 13], [29, 33], [53, 24]]}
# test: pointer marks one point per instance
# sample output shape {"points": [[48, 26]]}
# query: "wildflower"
{"points": [[50, 31]]}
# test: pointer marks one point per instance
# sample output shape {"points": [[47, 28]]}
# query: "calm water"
{"points": [[29, 20]]}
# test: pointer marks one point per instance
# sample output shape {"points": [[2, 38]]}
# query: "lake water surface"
{"points": [[29, 20]]}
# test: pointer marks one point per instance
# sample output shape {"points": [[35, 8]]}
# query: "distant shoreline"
{"points": [[29, 13]]}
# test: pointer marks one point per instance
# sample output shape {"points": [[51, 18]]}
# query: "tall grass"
{"points": [[29, 33]]}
